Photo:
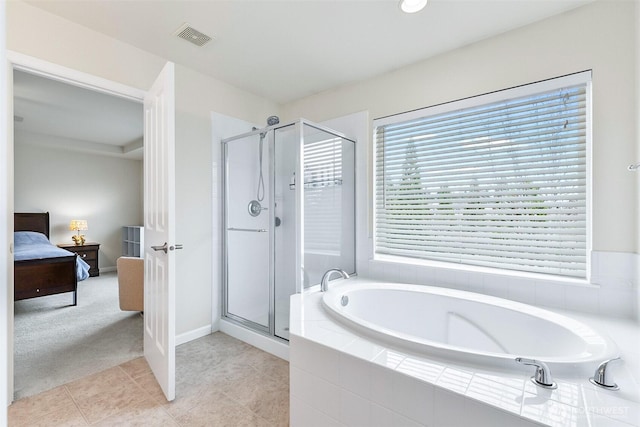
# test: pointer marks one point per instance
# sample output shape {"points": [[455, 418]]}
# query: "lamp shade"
{"points": [[78, 224]]}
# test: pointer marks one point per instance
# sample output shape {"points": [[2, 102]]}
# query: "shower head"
{"points": [[273, 120]]}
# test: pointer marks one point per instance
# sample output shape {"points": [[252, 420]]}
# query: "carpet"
{"points": [[55, 343]]}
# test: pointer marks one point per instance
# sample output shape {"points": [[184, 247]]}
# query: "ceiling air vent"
{"points": [[191, 34]]}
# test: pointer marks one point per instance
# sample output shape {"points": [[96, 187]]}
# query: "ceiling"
{"points": [[282, 50], [58, 114]]}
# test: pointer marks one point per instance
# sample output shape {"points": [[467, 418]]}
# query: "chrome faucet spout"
{"points": [[324, 283]]}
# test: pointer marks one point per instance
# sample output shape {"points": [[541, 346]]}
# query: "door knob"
{"points": [[177, 246]]}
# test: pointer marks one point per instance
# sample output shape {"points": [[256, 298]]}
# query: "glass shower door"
{"points": [[285, 153], [289, 216], [247, 231], [328, 203]]}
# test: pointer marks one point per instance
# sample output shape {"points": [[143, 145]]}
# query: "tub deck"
{"points": [[341, 378]]}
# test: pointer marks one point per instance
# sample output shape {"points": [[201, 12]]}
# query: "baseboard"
{"points": [[264, 343], [107, 269], [193, 335]]}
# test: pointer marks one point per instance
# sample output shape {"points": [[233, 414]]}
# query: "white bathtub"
{"points": [[467, 327]]}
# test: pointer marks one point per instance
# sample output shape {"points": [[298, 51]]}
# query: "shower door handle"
{"points": [[160, 248]]}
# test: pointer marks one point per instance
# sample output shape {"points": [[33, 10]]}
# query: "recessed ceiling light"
{"points": [[412, 6]]}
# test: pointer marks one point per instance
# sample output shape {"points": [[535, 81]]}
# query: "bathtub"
{"points": [[466, 327]]}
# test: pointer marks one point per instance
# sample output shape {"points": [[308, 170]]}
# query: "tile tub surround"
{"points": [[339, 378], [613, 291]]}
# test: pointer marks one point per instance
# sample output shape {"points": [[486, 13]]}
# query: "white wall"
{"points": [[34, 32], [196, 97], [636, 158], [104, 190], [5, 225], [599, 36]]}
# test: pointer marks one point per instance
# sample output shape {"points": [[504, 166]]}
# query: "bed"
{"points": [[41, 268]]}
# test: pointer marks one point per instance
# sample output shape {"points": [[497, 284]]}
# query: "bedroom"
{"points": [[65, 164]]}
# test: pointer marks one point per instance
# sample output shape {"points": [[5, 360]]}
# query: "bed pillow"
{"points": [[29, 238]]}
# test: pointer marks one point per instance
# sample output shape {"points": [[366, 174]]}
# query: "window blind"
{"points": [[499, 185], [323, 196]]}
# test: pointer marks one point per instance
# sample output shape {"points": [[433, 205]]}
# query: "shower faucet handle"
{"points": [[542, 377]]}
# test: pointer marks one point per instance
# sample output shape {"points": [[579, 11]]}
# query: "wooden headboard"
{"points": [[31, 222]]}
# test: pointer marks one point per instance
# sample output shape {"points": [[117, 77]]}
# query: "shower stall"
{"points": [[288, 216]]}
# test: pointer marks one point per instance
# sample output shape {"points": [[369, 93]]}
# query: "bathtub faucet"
{"points": [[602, 378], [542, 377], [324, 283]]}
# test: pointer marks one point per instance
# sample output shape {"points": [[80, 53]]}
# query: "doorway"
{"points": [[76, 139], [161, 360]]}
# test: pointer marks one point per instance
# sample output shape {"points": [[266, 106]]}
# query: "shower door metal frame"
{"points": [[299, 217], [270, 329], [300, 196]]}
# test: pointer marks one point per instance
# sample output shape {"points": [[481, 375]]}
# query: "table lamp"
{"points": [[77, 225]]}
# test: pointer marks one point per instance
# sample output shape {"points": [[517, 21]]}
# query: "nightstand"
{"points": [[88, 252]]}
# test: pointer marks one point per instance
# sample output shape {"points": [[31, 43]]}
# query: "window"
{"points": [[498, 180]]}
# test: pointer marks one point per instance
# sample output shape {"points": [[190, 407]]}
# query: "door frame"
{"points": [[33, 65]]}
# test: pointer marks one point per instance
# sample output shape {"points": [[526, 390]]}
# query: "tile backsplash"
{"points": [[612, 292]]}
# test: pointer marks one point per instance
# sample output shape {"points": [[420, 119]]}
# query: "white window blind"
{"points": [[501, 185], [323, 196]]}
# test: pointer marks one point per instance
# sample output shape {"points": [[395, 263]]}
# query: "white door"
{"points": [[159, 230]]}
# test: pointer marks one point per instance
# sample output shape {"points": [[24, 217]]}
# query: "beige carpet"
{"points": [[56, 343]]}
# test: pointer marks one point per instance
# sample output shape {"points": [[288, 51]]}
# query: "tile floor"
{"points": [[220, 381]]}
